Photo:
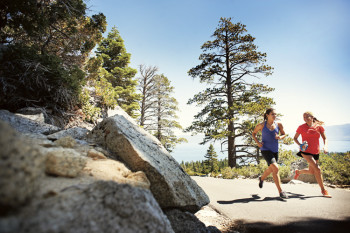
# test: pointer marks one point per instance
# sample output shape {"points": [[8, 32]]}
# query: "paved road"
{"points": [[261, 210]]}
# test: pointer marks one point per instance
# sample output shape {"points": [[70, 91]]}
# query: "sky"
{"points": [[307, 43]]}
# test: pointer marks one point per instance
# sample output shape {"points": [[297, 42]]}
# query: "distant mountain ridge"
{"points": [[338, 132]]}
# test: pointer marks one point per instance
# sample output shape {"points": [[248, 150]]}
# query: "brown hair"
{"points": [[314, 119], [268, 111]]}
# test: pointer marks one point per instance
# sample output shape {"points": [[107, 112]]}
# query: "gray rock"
{"points": [[35, 114], [75, 132], [170, 185], [67, 142], [38, 117], [300, 165], [21, 166], [25, 125], [64, 162], [94, 154], [185, 222], [98, 207]]}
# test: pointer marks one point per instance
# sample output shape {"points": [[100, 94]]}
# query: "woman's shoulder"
{"points": [[320, 128], [302, 125]]}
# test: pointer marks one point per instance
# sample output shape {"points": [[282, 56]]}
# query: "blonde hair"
{"points": [[314, 119]]}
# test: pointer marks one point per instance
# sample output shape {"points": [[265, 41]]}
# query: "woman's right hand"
{"points": [[260, 144]]}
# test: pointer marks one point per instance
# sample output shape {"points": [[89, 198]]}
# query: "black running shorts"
{"points": [[269, 156], [316, 156]]}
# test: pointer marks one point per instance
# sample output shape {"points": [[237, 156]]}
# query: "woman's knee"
{"points": [[317, 169], [274, 168]]}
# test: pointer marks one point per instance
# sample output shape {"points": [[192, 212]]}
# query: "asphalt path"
{"points": [[262, 210]]}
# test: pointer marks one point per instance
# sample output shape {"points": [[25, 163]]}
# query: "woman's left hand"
{"points": [[325, 150], [277, 136]]}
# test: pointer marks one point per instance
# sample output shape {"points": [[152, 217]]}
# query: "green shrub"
{"points": [[28, 78], [284, 171], [229, 173], [91, 112], [249, 171], [336, 168]]}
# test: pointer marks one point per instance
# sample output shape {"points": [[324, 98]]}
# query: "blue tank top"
{"points": [[268, 138]]}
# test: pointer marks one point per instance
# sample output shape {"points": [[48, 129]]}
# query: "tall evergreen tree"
{"points": [[227, 64], [98, 89], [116, 62]]}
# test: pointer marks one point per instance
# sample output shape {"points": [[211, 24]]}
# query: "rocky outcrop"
{"points": [[103, 206], [62, 182], [170, 185], [24, 125]]}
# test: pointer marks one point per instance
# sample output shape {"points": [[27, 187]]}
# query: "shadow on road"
{"points": [[256, 198], [297, 226]]}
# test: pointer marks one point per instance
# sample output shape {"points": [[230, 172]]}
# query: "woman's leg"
{"points": [[309, 170], [266, 173], [276, 176], [313, 165]]}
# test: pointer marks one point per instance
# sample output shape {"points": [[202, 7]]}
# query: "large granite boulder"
{"points": [[103, 196], [170, 185], [103, 206]]}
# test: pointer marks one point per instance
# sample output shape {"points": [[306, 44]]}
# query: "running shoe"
{"points": [[325, 193], [296, 176], [261, 182], [283, 195]]}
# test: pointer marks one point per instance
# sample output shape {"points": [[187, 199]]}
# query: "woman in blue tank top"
{"points": [[271, 133]]}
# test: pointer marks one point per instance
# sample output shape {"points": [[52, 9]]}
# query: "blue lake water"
{"points": [[339, 146], [194, 152]]}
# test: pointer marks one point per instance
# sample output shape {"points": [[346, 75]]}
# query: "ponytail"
{"points": [[314, 119], [317, 121]]}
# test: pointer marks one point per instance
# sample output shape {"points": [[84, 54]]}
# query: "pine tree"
{"points": [[116, 62], [211, 160], [227, 63]]}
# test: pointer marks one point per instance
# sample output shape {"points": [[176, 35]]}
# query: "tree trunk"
{"points": [[231, 139], [159, 118], [142, 117]]}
